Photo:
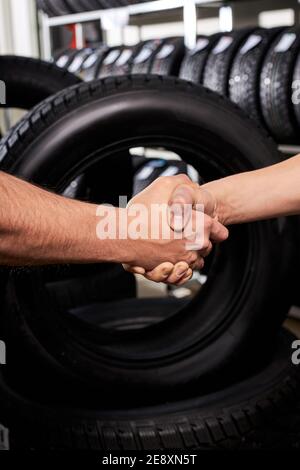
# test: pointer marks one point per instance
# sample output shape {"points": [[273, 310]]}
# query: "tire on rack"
{"points": [[86, 5], [46, 7], [219, 62], [29, 81], [168, 59], [106, 66], [296, 88], [245, 73], [142, 62], [242, 416], [122, 65], [93, 63], [59, 7], [78, 60], [276, 87], [65, 58], [193, 64], [204, 344]]}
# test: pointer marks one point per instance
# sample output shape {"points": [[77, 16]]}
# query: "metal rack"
{"points": [[189, 18], [189, 10], [289, 149]]}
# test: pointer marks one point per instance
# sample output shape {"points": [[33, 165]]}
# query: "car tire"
{"points": [[168, 58], [218, 65], [29, 81], [194, 62], [142, 62], [204, 344], [241, 416], [276, 87], [245, 73]]}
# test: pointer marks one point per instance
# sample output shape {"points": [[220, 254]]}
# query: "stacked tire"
{"points": [[258, 70], [29, 81], [161, 56], [145, 374]]}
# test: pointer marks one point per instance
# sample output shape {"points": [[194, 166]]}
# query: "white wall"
{"points": [[270, 19], [18, 28]]}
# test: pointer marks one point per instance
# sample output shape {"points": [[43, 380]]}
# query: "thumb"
{"points": [[186, 197]]}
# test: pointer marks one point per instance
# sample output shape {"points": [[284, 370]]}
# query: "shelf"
{"points": [[131, 10], [289, 149], [119, 18]]}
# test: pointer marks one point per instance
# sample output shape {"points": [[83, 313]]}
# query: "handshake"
{"points": [[176, 241]]}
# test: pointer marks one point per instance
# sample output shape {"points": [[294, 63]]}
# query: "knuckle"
{"points": [[205, 244], [162, 180], [193, 257], [183, 178], [166, 180], [225, 234]]}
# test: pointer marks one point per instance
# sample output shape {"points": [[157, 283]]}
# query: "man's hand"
{"points": [[175, 192], [181, 260]]}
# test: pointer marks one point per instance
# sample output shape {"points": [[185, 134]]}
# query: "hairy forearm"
{"points": [[261, 194], [39, 227]]}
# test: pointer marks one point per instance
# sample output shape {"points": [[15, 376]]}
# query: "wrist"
{"points": [[218, 192], [119, 247]]}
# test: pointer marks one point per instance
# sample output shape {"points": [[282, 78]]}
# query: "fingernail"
{"points": [[180, 272], [177, 222]]}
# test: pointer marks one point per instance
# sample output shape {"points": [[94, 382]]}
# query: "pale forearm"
{"points": [[39, 227], [261, 194]]}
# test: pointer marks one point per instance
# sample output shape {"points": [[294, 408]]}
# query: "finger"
{"points": [[206, 251], [160, 273], [186, 278], [198, 264], [180, 270], [183, 194], [193, 194], [181, 199], [218, 232], [134, 269], [198, 227]]}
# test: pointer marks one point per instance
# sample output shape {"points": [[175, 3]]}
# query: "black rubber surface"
{"points": [[276, 87], [107, 66], [91, 69], [296, 90], [194, 62], [78, 60], [29, 81], [168, 58], [46, 7], [142, 62], [65, 7], [64, 58], [239, 417], [245, 73], [89, 65], [122, 66], [203, 344], [218, 65]]}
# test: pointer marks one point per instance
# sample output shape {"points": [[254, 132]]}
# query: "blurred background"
{"points": [[25, 31]]}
